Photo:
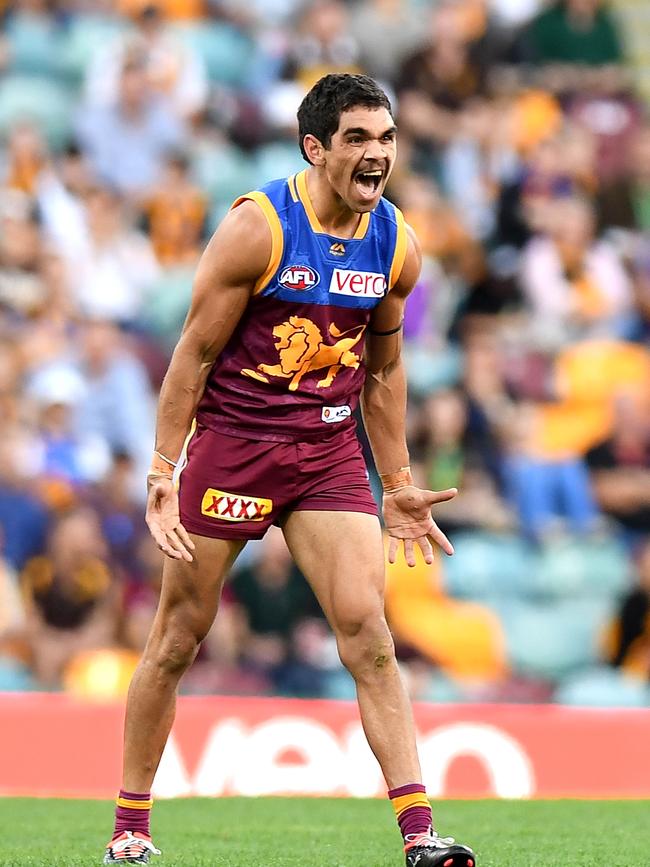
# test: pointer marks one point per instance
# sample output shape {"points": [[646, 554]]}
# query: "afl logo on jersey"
{"points": [[299, 278]]}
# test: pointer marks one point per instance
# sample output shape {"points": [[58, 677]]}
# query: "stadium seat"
{"points": [[86, 34], [566, 567], [224, 172], [489, 567], [603, 687], [14, 677], [277, 160], [553, 640], [166, 306], [428, 370], [339, 685], [43, 102], [34, 46], [225, 50]]}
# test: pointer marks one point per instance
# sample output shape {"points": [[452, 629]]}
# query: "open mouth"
{"points": [[368, 181]]}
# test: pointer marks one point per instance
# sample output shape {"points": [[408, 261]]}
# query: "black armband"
{"points": [[386, 333]]}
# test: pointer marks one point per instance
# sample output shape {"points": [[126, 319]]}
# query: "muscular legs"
{"points": [[341, 553], [342, 556], [188, 605]]}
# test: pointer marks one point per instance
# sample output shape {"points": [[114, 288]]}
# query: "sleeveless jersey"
{"points": [[293, 367]]}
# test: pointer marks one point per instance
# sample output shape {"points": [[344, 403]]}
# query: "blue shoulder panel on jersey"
{"points": [[318, 268]]}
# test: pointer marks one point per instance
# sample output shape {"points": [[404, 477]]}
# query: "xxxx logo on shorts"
{"points": [[233, 507]]}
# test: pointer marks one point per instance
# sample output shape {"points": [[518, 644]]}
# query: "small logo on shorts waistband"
{"points": [[233, 507], [331, 414]]}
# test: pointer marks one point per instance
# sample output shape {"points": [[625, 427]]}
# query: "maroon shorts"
{"points": [[235, 488]]}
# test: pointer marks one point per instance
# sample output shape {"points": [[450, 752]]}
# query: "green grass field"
{"points": [[276, 832]]}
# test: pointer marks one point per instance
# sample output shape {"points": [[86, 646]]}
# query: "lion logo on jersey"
{"points": [[302, 350]]}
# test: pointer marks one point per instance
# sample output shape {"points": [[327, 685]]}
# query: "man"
{"points": [[298, 281]]}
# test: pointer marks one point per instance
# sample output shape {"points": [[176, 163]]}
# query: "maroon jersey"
{"points": [[293, 366]]}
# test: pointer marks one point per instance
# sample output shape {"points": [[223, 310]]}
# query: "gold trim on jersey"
{"points": [[401, 246], [314, 222], [292, 188], [277, 236]]}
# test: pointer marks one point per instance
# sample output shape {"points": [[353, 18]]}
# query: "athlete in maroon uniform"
{"points": [[296, 314]]}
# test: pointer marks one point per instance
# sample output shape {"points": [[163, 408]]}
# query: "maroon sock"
{"points": [[412, 809], [133, 812]]}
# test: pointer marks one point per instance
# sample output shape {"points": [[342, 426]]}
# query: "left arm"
{"points": [[407, 509]]}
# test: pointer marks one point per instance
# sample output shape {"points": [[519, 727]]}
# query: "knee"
{"points": [[174, 645], [367, 650], [175, 652]]}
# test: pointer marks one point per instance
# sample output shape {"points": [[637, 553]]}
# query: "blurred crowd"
{"points": [[126, 130]]}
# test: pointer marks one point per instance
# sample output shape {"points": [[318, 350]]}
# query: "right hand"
{"points": [[163, 519]]}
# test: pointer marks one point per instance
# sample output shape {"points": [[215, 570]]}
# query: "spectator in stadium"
{"points": [[624, 203], [628, 637], [640, 266], [61, 195], [120, 516], [182, 10], [612, 112], [387, 31], [561, 165], [141, 582], [126, 140], [12, 613], [436, 82], [323, 44], [620, 467], [23, 517], [27, 157], [22, 286], [173, 69], [13, 651], [575, 32], [113, 265], [71, 597], [117, 404], [455, 453], [176, 214], [64, 456], [575, 285], [275, 597]]}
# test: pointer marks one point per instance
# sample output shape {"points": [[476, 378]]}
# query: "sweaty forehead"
{"points": [[375, 120]]}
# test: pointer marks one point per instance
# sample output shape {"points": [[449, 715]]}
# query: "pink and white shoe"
{"points": [[131, 847], [430, 850]]}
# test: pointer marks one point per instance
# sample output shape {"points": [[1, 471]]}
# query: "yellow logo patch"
{"points": [[302, 350], [233, 507]]}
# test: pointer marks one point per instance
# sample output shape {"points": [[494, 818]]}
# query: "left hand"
{"points": [[407, 516]]}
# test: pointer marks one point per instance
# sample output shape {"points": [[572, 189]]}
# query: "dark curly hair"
{"points": [[320, 111]]}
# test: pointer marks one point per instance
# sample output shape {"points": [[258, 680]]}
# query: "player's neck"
{"points": [[335, 217]]}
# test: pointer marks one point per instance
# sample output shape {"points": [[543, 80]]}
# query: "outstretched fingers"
{"points": [[425, 547], [436, 535]]}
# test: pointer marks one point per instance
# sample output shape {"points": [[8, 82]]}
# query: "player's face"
{"points": [[361, 156]]}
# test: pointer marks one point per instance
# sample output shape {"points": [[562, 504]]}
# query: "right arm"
{"points": [[233, 261]]}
